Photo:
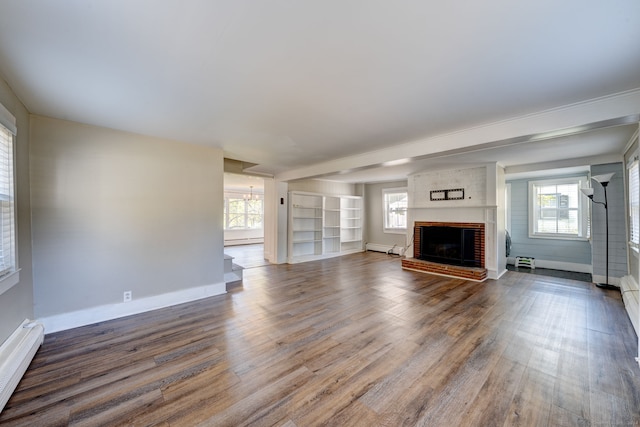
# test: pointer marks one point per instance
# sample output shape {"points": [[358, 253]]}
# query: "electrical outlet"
{"points": [[127, 296]]}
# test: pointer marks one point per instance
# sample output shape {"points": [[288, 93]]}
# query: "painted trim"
{"points": [[393, 190], [631, 141], [581, 181], [88, 316], [9, 281], [499, 275], [244, 241]]}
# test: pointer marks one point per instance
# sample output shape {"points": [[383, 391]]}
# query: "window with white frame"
{"points": [[557, 208], [7, 220], [634, 203], [395, 202], [243, 211]]}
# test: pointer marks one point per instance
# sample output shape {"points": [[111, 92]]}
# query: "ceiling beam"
{"points": [[613, 110]]}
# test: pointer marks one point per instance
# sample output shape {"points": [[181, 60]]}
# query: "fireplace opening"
{"points": [[451, 245]]}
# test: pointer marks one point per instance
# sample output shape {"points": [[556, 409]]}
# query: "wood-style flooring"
{"points": [[348, 341], [247, 256]]}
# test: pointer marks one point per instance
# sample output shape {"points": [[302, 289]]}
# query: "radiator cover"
{"points": [[16, 354]]}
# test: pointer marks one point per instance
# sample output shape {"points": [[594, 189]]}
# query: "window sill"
{"points": [[395, 230], [551, 237], [9, 281]]}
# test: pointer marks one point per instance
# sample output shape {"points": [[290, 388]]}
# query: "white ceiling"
{"points": [[287, 84], [243, 183]]}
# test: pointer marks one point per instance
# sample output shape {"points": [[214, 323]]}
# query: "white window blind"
{"points": [[634, 204], [7, 233]]}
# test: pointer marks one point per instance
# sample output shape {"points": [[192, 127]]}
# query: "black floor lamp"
{"points": [[604, 181]]}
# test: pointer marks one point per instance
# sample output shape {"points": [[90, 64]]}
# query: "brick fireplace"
{"points": [[471, 264]]}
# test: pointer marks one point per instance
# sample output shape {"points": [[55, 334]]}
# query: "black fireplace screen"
{"points": [[450, 245]]}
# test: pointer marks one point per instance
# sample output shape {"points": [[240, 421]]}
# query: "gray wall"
{"points": [[617, 223], [17, 303], [374, 213], [569, 251], [114, 211]]}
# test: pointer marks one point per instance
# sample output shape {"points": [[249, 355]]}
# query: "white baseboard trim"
{"points": [[558, 265], [628, 283], [398, 250], [502, 273], [247, 241], [88, 316]]}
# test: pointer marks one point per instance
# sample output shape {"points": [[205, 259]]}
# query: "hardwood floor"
{"points": [[349, 341], [247, 256]]}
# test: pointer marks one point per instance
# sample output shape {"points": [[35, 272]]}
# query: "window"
{"points": [[558, 209], [395, 209], [7, 220], [634, 203], [242, 212]]}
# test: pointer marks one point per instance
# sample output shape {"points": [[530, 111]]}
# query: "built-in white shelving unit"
{"points": [[350, 224], [322, 226], [305, 226], [331, 225]]}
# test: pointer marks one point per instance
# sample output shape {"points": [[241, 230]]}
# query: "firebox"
{"points": [[450, 243]]}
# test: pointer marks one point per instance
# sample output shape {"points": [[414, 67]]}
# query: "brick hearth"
{"points": [[472, 273]]}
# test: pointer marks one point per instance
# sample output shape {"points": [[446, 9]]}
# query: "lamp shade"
{"points": [[587, 192], [604, 178]]}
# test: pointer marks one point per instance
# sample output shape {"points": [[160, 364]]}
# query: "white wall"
{"points": [[114, 211], [629, 283], [481, 204], [241, 237], [16, 304], [634, 263], [281, 216]]}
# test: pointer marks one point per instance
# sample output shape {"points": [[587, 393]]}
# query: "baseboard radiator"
{"points": [[16, 354], [395, 249]]}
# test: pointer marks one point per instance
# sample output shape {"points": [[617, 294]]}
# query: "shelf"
{"points": [[322, 226]]}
